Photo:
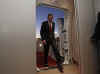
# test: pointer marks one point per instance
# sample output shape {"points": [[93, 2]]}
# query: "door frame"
{"points": [[75, 22]]}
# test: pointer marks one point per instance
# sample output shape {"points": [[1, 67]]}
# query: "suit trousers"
{"points": [[52, 42]]}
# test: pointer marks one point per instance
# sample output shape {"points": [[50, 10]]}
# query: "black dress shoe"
{"points": [[60, 67]]}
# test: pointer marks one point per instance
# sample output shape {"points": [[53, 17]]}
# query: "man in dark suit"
{"points": [[48, 38]]}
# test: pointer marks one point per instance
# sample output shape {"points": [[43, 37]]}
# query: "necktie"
{"points": [[50, 27]]}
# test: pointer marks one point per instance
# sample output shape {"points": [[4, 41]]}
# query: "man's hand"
{"points": [[44, 42]]}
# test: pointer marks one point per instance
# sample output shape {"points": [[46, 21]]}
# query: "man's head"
{"points": [[50, 17]]}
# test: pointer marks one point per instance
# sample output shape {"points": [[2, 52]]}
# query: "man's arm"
{"points": [[42, 33], [54, 29]]}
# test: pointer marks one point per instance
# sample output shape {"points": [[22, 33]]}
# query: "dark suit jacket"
{"points": [[45, 31], [96, 34]]}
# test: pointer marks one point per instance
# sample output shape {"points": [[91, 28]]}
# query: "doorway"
{"points": [[64, 35], [42, 16]]}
